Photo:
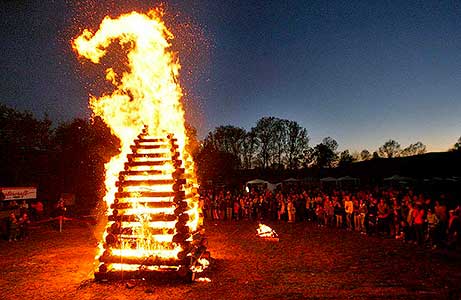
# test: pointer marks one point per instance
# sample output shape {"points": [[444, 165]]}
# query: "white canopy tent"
{"points": [[397, 178], [348, 178], [291, 180], [328, 179], [259, 182]]}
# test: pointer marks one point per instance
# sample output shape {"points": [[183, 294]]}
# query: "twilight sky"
{"points": [[361, 72]]}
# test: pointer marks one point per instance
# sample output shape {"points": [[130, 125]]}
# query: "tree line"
{"points": [[284, 144], [70, 156], [67, 158]]}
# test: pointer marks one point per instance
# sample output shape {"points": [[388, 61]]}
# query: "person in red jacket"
{"points": [[418, 221]]}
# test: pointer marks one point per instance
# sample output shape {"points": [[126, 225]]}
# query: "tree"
{"points": [[414, 149], [345, 158], [264, 133], [365, 154], [25, 142], [330, 143], [375, 155], [325, 154], [249, 145], [308, 157], [228, 139], [216, 165], [390, 149], [457, 145], [355, 156], [279, 141], [82, 149], [297, 144]]}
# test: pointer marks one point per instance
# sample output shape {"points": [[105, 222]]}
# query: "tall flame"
{"points": [[148, 94]]}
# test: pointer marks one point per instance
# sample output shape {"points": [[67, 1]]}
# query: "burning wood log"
{"points": [[134, 218], [149, 194], [266, 233], [133, 210], [145, 261]]}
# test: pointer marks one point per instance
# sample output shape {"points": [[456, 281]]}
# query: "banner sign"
{"points": [[18, 193]]}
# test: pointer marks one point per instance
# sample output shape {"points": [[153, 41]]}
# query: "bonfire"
{"points": [[267, 233], [151, 186]]}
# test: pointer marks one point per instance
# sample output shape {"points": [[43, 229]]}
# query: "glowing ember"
{"points": [[265, 231], [152, 209]]}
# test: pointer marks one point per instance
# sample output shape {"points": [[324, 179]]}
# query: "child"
{"points": [[320, 212], [13, 236], [24, 226]]}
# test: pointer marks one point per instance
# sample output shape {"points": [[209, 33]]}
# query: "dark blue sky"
{"points": [[359, 71]]}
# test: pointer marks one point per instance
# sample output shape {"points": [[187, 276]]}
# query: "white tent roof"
{"points": [[257, 181], [397, 178], [347, 178], [328, 179], [291, 180]]}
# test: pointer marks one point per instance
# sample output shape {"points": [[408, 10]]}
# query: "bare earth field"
{"points": [[308, 263]]}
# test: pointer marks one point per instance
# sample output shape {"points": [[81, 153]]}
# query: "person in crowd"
{"points": [[291, 210], [418, 221], [410, 231], [206, 207], [362, 212], [331, 218], [13, 227], [383, 216], [37, 210], [222, 206], [229, 206], [247, 208], [310, 207], [398, 213], [370, 218], [339, 211], [432, 222], [23, 207], [320, 215], [60, 208], [356, 213], [215, 208], [13, 205], [454, 228], [349, 209], [236, 209], [23, 224], [281, 207], [440, 211]]}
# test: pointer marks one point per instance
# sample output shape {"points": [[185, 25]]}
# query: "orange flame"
{"points": [[147, 94], [265, 231]]}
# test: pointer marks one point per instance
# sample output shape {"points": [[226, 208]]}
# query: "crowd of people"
{"points": [[398, 213], [15, 223], [415, 217]]}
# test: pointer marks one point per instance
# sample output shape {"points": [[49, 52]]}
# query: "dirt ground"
{"points": [[307, 263]]}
